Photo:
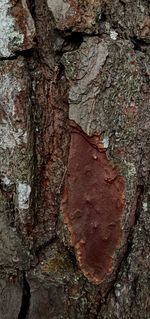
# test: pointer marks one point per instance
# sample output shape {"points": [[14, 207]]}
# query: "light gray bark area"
{"points": [[83, 68], [16, 29], [11, 298], [89, 62]]}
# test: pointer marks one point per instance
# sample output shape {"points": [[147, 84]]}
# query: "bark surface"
{"points": [[74, 159]]}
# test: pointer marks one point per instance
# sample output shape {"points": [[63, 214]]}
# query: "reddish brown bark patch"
{"points": [[93, 206]]}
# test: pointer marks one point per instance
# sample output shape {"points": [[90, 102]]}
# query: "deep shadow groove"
{"points": [[139, 44], [23, 53], [9, 58], [123, 4], [103, 17], [140, 192], [71, 41], [74, 40], [72, 257], [31, 7], [61, 71], [25, 299]]}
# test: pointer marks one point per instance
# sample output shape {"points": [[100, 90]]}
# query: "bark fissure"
{"points": [[139, 44], [25, 298]]}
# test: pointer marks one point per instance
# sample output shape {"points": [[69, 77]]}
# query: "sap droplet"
{"points": [[95, 157]]}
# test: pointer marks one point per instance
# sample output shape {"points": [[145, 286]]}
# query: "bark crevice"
{"points": [[25, 298]]}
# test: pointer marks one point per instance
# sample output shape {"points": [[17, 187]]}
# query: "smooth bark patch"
{"points": [[93, 206]]}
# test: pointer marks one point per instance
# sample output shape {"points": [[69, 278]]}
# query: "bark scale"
{"points": [[74, 159]]}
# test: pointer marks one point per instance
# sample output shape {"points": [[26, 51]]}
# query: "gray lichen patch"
{"points": [[11, 90], [13, 36], [14, 136], [8, 32], [23, 191]]}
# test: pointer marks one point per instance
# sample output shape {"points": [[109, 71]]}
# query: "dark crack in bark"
{"points": [[25, 298]]}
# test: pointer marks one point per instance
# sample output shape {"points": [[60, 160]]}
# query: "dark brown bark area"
{"points": [[87, 63]]}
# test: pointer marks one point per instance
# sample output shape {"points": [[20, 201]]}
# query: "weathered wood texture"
{"points": [[74, 159]]}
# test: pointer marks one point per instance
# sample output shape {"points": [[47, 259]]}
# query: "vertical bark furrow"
{"points": [[25, 299]]}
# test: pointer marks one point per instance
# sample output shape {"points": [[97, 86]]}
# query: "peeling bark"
{"points": [[74, 108]]}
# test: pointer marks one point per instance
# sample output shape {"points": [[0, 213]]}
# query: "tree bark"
{"points": [[75, 159]]}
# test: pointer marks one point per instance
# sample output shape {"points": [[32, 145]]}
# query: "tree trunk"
{"points": [[75, 159]]}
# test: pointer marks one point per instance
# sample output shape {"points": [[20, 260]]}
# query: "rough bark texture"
{"points": [[74, 159]]}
